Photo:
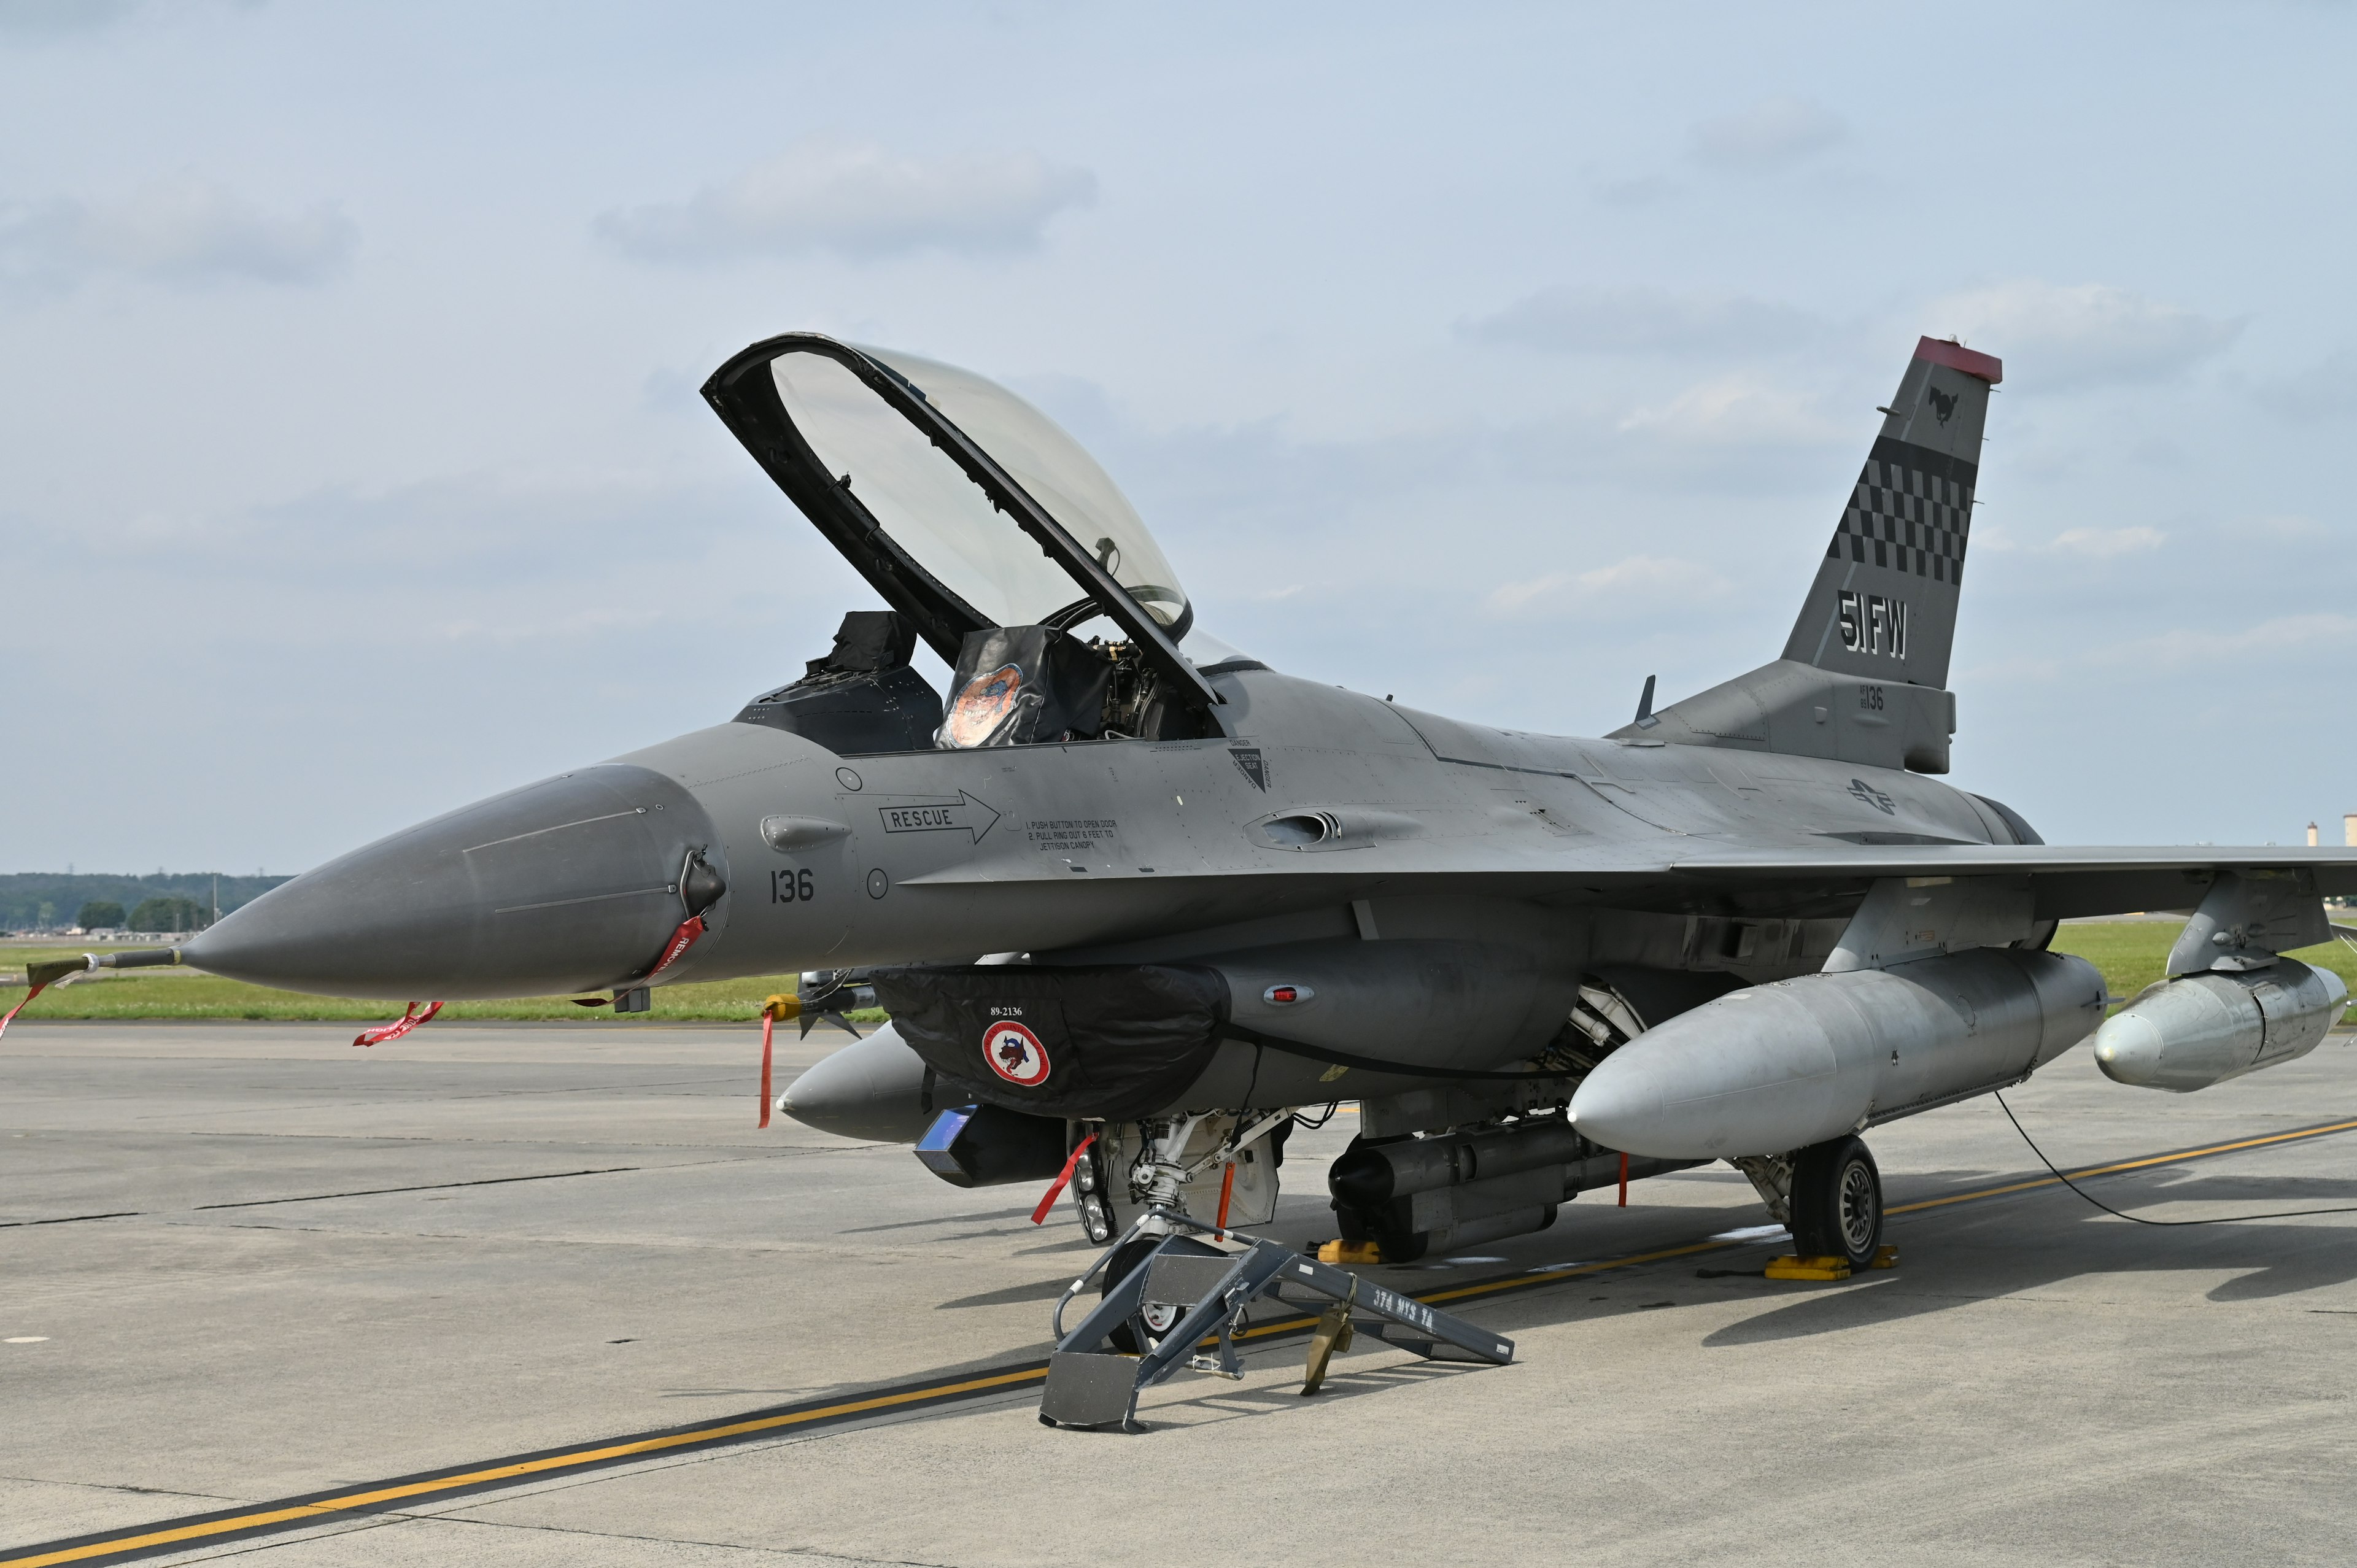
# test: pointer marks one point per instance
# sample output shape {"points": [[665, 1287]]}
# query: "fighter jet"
{"points": [[1137, 903]]}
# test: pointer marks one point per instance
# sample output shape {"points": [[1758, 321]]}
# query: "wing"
{"points": [[2070, 881], [1695, 876]]}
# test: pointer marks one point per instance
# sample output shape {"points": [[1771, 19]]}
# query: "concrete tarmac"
{"points": [[240, 1263]]}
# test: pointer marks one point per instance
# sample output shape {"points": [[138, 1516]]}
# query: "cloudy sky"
{"points": [[351, 465]]}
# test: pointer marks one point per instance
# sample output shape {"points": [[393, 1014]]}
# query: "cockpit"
{"points": [[996, 539]]}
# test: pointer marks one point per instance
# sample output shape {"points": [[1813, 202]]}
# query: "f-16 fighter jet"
{"points": [[1134, 900]]}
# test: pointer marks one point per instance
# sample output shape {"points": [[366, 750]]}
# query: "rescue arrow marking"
{"points": [[964, 814]]}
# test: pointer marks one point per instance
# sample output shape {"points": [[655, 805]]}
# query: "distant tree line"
{"points": [[33, 900], [151, 915], [170, 915]]}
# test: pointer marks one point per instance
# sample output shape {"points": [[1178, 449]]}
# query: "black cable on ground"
{"points": [[2091, 1197]]}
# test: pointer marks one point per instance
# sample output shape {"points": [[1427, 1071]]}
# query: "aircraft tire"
{"points": [[1837, 1201], [1131, 1337]]}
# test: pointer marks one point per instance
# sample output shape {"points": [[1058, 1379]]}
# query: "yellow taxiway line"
{"points": [[294, 1513], [319, 1510], [2128, 1166]]}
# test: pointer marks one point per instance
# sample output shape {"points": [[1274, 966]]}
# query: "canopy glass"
{"points": [[946, 522]]}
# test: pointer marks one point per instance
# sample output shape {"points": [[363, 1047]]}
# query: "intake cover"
{"points": [[1110, 1042]]}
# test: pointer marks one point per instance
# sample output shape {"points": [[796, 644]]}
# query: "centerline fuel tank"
{"points": [[1771, 1069]]}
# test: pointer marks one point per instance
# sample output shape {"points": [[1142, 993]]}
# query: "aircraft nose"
{"points": [[572, 884]]}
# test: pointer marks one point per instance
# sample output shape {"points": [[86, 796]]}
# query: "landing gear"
{"points": [[1151, 1321], [1836, 1202]]}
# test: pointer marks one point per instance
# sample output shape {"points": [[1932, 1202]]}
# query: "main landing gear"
{"points": [[1829, 1195], [1837, 1202]]}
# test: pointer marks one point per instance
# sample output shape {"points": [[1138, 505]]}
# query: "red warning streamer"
{"points": [[768, 1025], [410, 1019], [1039, 1215], [22, 1006], [681, 940]]}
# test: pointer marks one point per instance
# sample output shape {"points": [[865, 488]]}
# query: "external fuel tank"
{"points": [[2198, 1029], [1771, 1068]]}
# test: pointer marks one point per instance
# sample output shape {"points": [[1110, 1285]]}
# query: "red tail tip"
{"points": [[1956, 356]]}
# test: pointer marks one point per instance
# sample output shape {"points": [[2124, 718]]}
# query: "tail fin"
{"points": [[1884, 604], [1864, 676]]}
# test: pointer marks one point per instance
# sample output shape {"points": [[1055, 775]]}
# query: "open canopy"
{"points": [[965, 507]]}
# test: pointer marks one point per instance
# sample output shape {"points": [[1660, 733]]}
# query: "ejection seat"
{"points": [[864, 696]]}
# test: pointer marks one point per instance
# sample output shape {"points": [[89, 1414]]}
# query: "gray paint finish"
{"points": [[1449, 883]]}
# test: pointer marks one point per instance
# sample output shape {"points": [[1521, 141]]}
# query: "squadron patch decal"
{"points": [[1015, 1054]]}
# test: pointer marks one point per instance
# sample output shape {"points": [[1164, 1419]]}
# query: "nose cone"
{"points": [[874, 1089], [1620, 1105], [2129, 1047], [1751, 1073], [572, 884]]}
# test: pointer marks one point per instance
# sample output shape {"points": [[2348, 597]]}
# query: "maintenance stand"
{"points": [[1093, 1384]]}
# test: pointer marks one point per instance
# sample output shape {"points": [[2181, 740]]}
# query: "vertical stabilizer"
{"points": [[1884, 604]]}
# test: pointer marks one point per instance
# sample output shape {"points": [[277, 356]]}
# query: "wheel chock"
{"points": [[1332, 1336], [1885, 1258], [1789, 1267], [1359, 1252]]}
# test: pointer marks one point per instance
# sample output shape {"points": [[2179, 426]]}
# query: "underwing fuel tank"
{"points": [[1771, 1068], [2198, 1029]]}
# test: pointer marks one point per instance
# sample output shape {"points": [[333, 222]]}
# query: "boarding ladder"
{"points": [[1091, 1385]]}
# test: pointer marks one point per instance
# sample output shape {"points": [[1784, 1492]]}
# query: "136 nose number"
{"points": [[790, 886]]}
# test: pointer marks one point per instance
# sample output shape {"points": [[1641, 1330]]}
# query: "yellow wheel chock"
{"points": [[1790, 1267]]}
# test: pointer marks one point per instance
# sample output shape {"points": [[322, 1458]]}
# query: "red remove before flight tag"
{"points": [[410, 1019]]}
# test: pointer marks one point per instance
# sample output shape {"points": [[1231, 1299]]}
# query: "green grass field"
{"points": [[2130, 952]]}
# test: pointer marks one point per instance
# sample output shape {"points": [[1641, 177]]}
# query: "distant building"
{"points": [[2349, 829], [2312, 835]]}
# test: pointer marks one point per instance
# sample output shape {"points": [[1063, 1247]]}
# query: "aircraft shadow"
{"points": [[2004, 1249], [1346, 1381], [1024, 1212], [1036, 1290]]}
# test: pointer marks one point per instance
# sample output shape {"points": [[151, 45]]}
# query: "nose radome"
{"points": [[572, 884]]}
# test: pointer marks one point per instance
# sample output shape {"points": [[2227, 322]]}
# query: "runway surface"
{"points": [[526, 1293]]}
